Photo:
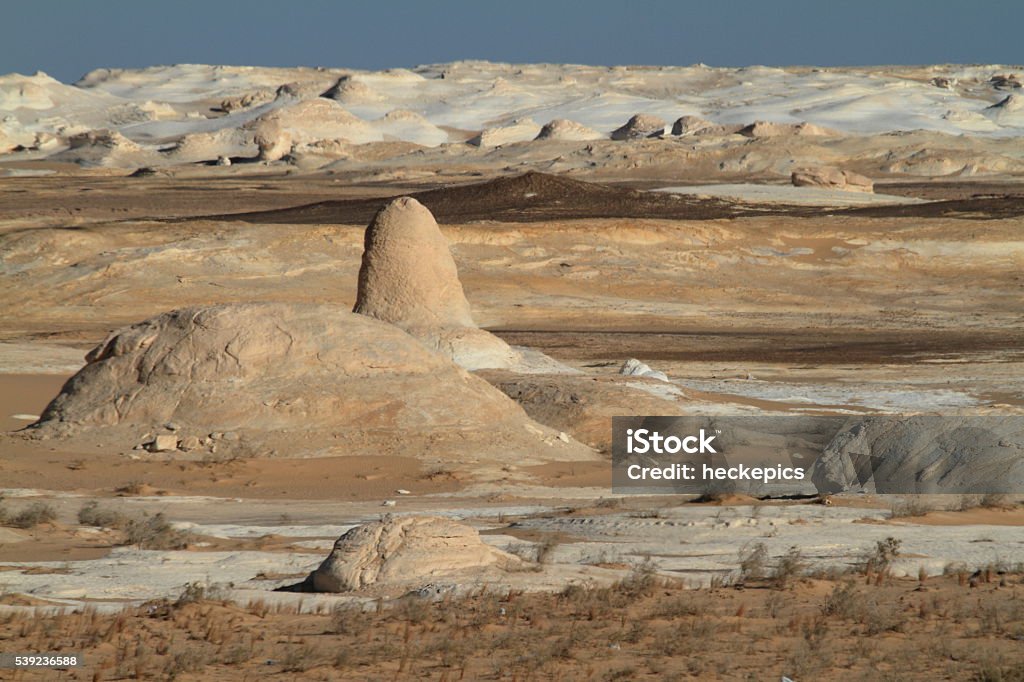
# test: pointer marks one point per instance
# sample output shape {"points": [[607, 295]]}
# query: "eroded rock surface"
{"points": [[409, 279], [406, 552], [297, 380]]}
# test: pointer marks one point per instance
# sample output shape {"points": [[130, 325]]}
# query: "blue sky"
{"points": [[70, 37]]}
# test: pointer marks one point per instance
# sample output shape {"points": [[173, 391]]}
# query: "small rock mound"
{"points": [[273, 142], [309, 120], [564, 129], [695, 125], [351, 90], [690, 124], [640, 125], [247, 99], [520, 130], [634, 368], [406, 552], [759, 129], [1009, 103], [408, 278], [832, 178], [206, 146]]}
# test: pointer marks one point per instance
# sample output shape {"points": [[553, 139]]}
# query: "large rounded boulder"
{"points": [[406, 552]]}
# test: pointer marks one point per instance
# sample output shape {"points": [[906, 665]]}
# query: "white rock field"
{"points": [[187, 113]]}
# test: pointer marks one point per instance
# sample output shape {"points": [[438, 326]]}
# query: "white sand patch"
{"points": [[132, 574], [787, 194], [895, 398], [160, 105], [701, 542]]}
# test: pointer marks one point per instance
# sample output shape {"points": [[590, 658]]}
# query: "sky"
{"points": [[68, 38]]}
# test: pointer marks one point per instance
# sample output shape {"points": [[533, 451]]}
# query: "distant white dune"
{"points": [[432, 105]]}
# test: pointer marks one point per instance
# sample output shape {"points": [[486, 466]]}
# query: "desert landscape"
{"points": [[310, 373]]}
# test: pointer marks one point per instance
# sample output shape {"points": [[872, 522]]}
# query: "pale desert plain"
{"points": [[355, 340]]}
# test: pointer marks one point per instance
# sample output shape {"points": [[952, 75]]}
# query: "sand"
{"points": [[751, 296], [24, 396]]}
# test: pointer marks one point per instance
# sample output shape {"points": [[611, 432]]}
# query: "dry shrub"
{"points": [[908, 508], [154, 532], [35, 514], [94, 515], [753, 561], [790, 567]]}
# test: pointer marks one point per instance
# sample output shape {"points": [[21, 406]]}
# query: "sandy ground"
{"points": [[858, 627], [750, 307]]}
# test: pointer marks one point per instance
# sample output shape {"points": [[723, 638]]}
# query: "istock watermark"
{"points": [[779, 455]]}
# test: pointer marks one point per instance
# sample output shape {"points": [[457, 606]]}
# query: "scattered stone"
{"points": [[403, 491], [388, 503], [189, 443], [223, 160], [164, 443]]}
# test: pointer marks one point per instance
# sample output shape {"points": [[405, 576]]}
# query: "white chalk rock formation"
{"points": [[697, 126], [688, 125], [273, 142], [640, 125], [406, 552], [408, 278], [759, 129], [634, 368], [302, 380], [100, 148], [520, 130], [924, 454], [352, 90], [1008, 111], [832, 178], [564, 129]]}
